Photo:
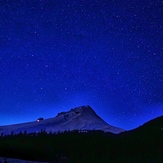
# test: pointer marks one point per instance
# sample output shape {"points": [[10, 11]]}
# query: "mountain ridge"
{"points": [[78, 118]]}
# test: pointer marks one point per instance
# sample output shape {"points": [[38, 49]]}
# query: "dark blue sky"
{"points": [[59, 54]]}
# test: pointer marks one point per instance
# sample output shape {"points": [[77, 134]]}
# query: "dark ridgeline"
{"points": [[141, 145]]}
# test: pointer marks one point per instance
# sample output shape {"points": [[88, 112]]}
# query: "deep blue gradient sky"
{"points": [[59, 54]]}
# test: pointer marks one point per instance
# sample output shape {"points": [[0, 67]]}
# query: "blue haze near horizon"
{"points": [[57, 55]]}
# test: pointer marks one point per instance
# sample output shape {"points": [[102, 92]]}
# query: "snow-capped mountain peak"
{"points": [[79, 118], [78, 111]]}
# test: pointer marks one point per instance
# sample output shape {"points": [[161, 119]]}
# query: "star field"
{"points": [[56, 55]]}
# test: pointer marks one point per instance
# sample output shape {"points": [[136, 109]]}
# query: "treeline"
{"points": [[85, 147]]}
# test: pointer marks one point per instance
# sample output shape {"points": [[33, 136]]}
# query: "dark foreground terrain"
{"points": [[142, 145]]}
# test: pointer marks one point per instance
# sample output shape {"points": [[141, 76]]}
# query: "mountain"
{"points": [[142, 144], [152, 127], [80, 118]]}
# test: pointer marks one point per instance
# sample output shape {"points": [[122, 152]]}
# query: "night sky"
{"points": [[59, 54]]}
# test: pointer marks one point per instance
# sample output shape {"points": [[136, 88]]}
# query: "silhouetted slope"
{"points": [[154, 126]]}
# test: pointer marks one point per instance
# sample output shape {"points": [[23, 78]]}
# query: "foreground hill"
{"points": [[154, 126], [79, 118]]}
